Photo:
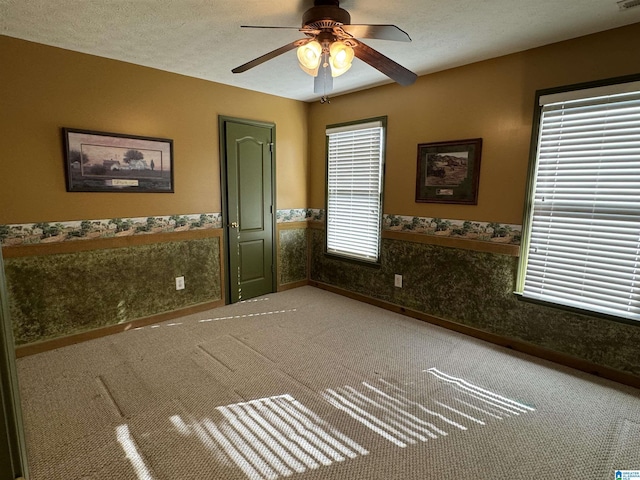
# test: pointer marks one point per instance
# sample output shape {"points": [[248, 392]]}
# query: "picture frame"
{"points": [[449, 172], [114, 162]]}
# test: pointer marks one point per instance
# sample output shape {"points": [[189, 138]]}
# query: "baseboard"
{"points": [[514, 344], [46, 345], [292, 285]]}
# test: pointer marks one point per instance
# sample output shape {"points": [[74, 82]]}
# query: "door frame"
{"points": [[222, 122], [12, 440]]}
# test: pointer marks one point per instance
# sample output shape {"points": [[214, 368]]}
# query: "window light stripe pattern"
{"points": [[354, 182], [585, 229]]}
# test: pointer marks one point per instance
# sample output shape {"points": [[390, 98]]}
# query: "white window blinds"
{"points": [[584, 243], [354, 190]]}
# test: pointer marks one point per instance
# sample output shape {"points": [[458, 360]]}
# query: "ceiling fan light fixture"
{"points": [[309, 57], [340, 58], [332, 41]]}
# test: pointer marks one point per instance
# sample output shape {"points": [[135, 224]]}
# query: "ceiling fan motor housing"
{"points": [[325, 14]]}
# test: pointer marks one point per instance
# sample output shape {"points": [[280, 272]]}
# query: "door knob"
{"points": [[233, 224]]}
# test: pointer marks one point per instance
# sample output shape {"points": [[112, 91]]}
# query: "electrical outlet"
{"points": [[179, 283], [398, 281]]}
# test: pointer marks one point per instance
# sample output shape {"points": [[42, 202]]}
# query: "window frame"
{"points": [[529, 194], [345, 257]]}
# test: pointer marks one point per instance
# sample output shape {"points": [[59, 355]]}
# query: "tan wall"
{"points": [[45, 88], [491, 99]]}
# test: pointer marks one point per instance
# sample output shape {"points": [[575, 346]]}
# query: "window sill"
{"points": [[578, 311], [357, 261]]}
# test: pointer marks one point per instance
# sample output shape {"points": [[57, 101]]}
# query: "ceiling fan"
{"points": [[331, 43]]}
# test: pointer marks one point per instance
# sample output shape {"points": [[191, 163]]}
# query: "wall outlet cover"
{"points": [[179, 283], [398, 281]]}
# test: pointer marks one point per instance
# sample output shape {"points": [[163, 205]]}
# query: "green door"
{"points": [[248, 168]]}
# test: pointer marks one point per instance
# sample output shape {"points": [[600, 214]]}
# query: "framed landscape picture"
{"points": [[114, 162], [449, 172]]}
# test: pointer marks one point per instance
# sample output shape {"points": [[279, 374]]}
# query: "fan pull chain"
{"points": [[325, 72]]}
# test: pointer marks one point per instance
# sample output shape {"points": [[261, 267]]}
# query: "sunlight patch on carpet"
{"points": [[389, 412], [132, 453], [272, 437]]}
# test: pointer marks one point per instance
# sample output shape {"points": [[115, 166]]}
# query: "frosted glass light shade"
{"points": [[341, 56], [309, 57]]}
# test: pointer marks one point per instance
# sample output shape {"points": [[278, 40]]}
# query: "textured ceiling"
{"points": [[203, 38]]}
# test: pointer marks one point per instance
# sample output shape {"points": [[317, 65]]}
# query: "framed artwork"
{"points": [[114, 162], [449, 172]]}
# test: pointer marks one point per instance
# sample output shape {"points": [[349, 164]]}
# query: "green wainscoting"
{"points": [[57, 294], [78, 288], [476, 289], [292, 255]]}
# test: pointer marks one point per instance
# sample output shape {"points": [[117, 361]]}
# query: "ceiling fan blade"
{"points": [[267, 26], [380, 32], [305, 30], [391, 69], [267, 56]]}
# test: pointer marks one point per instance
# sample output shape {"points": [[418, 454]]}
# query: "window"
{"points": [[355, 159], [582, 240]]}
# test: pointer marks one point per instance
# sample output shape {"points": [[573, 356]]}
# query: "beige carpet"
{"points": [[306, 384]]}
